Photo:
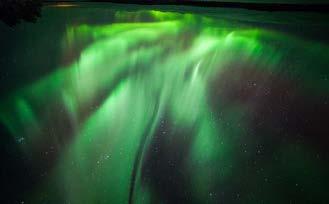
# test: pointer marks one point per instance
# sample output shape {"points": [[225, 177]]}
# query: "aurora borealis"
{"points": [[166, 105]]}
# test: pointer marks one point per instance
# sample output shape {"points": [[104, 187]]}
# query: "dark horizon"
{"points": [[13, 11], [250, 5]]}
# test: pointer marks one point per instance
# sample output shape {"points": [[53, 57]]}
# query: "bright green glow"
{"points": [[128, 77], [106, 144]]}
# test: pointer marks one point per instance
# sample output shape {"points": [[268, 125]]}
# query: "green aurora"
{"points": [[121, 82]]}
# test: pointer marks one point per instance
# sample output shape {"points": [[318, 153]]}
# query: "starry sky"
{"points": [[123, 104]]}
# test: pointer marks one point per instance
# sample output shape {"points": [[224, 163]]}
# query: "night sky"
{"points": [[105, 103]]}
